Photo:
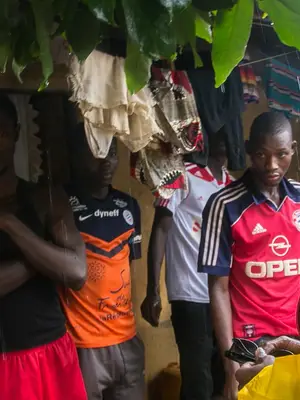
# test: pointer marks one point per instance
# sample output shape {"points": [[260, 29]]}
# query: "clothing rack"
{"points": [[268, 58]]}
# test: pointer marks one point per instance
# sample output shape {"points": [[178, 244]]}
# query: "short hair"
{"points": [[269, 123], [8, 108]]}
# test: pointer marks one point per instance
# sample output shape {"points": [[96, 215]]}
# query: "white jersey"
{"points": [[182, 248]]}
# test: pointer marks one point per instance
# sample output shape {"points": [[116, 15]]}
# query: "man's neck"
{"points": [[270, 192], [101, 193], [8, 191], [216, 168]]}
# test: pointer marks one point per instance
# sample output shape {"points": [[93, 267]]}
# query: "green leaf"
{"points": [[17, 69], [42, 10], [184, 25], [211, 5], [175, 5], [148, 24], [103, 9], [9, 13], [285, 15], [60, 6], [65, 9], [5, 49], [24, 43], [137, 68], [4, 54], [203, 29], [83, 32], [230, 37], [292, 5]]}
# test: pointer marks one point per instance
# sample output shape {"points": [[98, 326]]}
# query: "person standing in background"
{"points": [[250, 245], [39, 247], [100, 316], [176, 235]]}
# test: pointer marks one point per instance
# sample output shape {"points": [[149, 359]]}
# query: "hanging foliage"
{"points": [[154, 29]]}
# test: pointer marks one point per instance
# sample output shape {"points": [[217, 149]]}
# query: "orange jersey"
{"points": [[100, 314]]}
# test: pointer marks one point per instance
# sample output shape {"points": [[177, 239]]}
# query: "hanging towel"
{"points": [[283, 88], [248, 79], [100, 90], [159, 168], [176, 110]]}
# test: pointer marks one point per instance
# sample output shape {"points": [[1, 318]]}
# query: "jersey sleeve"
{"points": [[171, 204], [215, 253], [136, 238]]}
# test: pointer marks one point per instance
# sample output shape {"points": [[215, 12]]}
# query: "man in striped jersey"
{"points": [[250, 245], [176, 235]]}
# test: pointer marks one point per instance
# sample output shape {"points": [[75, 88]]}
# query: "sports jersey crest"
{"points": [[296, 219]]}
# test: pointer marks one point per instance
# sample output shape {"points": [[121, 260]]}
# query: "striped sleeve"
{"points": [[171, 204], [215, 253], [295, 184]]}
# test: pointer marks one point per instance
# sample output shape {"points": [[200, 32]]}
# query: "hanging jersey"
{"points": [[256, 243], [182, 279], [100, 314]]}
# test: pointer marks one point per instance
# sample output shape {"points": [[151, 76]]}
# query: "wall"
{"points": [[160, 344]]}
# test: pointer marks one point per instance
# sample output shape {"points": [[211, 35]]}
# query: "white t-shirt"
{"points": [[182, 248]]}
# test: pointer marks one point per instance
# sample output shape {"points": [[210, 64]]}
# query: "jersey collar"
{"points": [[206, 175], [285, 187]]}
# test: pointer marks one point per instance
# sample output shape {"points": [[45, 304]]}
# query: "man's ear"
{"points": [[294, 147], [17, 132]]}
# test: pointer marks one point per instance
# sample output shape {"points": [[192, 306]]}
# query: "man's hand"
{"points": [[249, 370], [151, 309], [231, 384], [5, 220], [282, 343]]}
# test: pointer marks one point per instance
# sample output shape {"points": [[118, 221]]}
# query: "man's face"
{"points": [[271, 158], [218, 150], [8, 137], [99, 172]]}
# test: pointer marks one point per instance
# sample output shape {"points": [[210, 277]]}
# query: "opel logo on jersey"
{"points": [[128, 217], [280, 246], [296, 219]]}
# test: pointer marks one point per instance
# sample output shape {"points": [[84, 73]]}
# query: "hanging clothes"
{"points": [[221, 108], [217, 107], [160, 164], [159, 168], [176, 110], [28, 155], [282, 84], [100, 90], [250, 89]]}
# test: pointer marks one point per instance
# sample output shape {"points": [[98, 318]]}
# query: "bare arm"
{"points": [[13, 274], [151, 306], [222, 316], [64, 259], [156, 250]]}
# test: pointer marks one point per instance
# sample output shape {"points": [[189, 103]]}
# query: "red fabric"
{"points": [[49, 372], [265, 274]]}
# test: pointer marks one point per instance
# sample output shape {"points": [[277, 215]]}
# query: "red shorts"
{"points": [[49, 372]]}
